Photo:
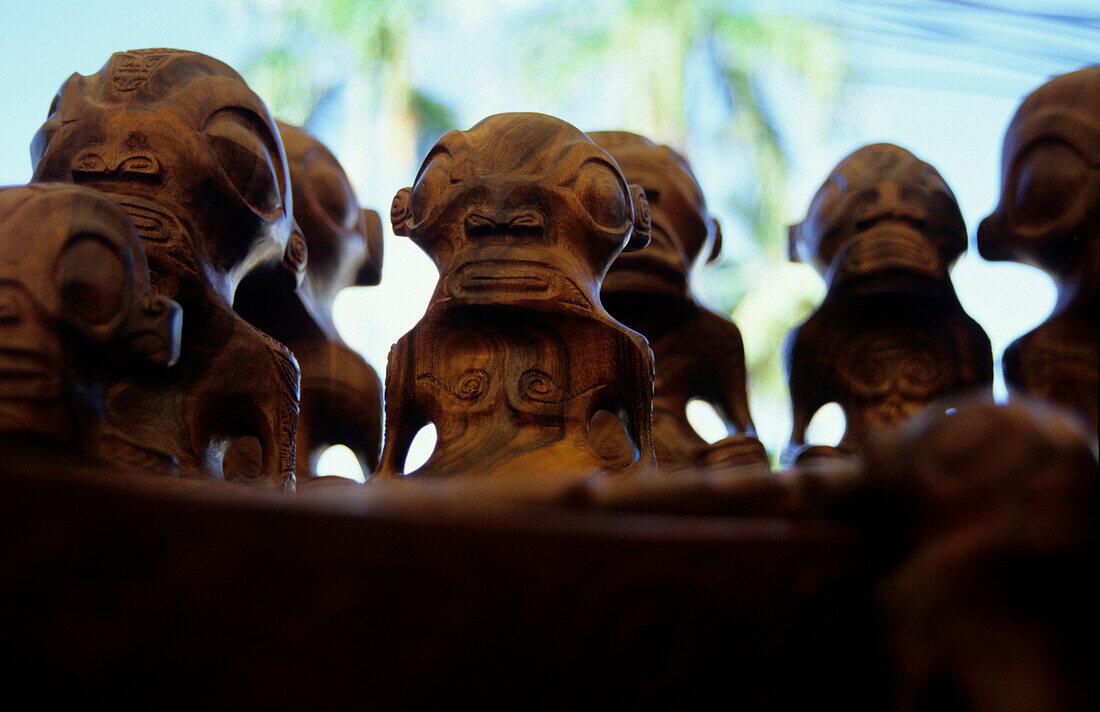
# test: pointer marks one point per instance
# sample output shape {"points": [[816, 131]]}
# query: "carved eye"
{"points": [[91, 276], [333, 194], [245, 159], [1048, 178], [433, 181], [601, 194]]}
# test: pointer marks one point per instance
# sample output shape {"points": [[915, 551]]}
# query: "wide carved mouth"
{"points": [[507, 276], [890, 245], [26, 373], [152, 222]]}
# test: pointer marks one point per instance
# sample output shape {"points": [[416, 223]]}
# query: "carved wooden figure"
{"points": [[989, 610], [698, 354], [341, 395], [1049, 217], [76, 315], [522, 214], [891, 334], [191, 154]]}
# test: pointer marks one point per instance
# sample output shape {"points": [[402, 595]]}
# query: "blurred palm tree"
{"points": [[711, 79], [315, 54]]}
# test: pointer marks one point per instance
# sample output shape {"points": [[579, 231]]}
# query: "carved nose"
{"points": [[889, 204], [498, 222]]}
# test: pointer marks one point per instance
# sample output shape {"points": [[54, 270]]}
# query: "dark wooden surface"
{"points": [[176, 593]]}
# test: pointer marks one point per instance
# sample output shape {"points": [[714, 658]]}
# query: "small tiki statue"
{"points": [[341, 395], [698, 354], [191, 154], [997, 508], [891, 334], [76, 315], [522, 214], [1049, 217]]}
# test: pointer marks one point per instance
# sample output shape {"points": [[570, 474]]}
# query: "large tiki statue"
{"points": [[698, 354], [76, 315], [191, 154], [891, 334], [1049, 217], [522, 214], [341, 395]]}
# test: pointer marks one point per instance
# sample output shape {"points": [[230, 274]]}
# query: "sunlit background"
{"points": [[763, 97]]}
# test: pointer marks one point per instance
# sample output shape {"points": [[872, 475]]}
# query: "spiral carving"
{"points": [[471, 383]]}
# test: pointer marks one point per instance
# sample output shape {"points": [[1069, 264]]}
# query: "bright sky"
{"points": [[957, 129]]}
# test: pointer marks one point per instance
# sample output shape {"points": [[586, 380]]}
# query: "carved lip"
{"points": [[27, 374], [892, 245], [505, 276], [151, 220]]}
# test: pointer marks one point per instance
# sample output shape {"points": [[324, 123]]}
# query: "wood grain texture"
{"points": [[698, 355], [76, 315], [191, 154], [341, 394], [891, 335], [1049, 216], [522, 214]]}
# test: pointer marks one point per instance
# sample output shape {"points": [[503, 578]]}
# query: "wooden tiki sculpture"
{"points": [[192, 155], [341, 395], [522, 214], [997, 506], [697, 353], [1049, 217], [76, 315], [890, 335]]}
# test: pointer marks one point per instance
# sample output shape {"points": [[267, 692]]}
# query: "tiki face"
{"points": [[344, 241], [681, 226], [191, 154], [74, 294], [1049, 211], [520, 208], [881, 209]]}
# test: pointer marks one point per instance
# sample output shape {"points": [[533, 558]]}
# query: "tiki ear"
{"points": [[401, 212], [792, 239], [295, 255], [370, 224], [639, 236], [716, 246]]}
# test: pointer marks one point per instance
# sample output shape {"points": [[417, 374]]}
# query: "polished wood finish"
{"points": [[698, 355], [76, 315], [891, 335], [1049, 217], [191, 154], [522, 214], [341, 394]]}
